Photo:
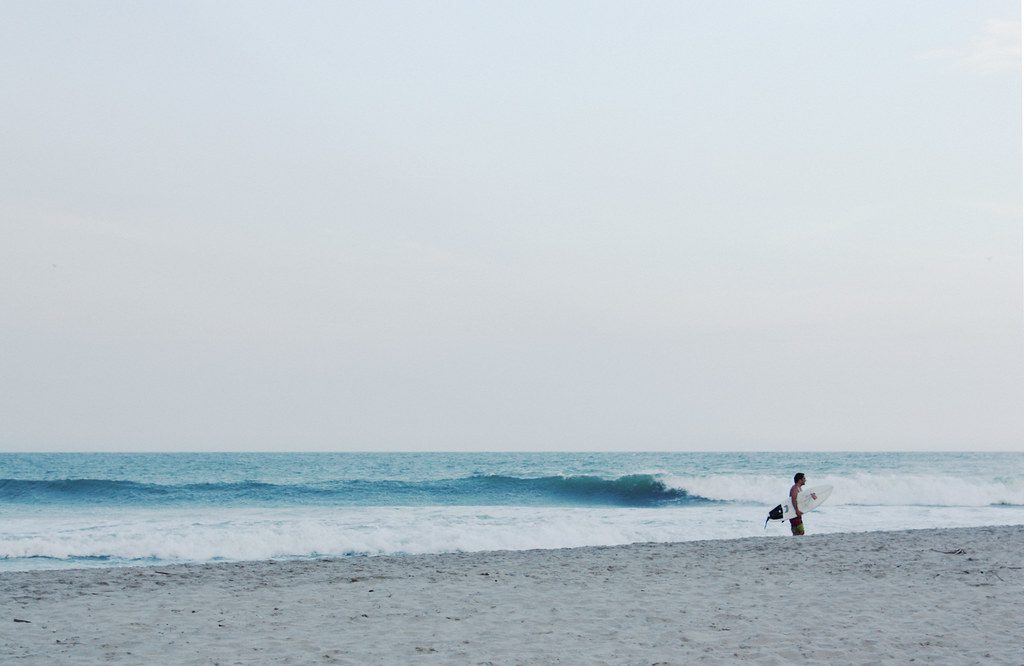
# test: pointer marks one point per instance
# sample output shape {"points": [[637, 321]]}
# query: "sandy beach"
{"points": [[949, 596]]}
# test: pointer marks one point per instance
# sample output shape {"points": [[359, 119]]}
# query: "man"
{"points": [[796, 525]]}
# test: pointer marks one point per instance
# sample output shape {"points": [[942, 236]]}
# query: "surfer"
{"points": [[797, 524]]}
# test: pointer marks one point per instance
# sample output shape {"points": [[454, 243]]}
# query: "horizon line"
{"points": [[507, 451]]}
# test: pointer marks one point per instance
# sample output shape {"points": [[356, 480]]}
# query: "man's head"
{"points": [[799, 479]]}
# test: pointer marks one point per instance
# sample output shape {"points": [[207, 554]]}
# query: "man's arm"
{"points": [[792, 500]]}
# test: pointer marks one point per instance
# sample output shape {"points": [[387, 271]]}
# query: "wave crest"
{"points": [[635, 490]]}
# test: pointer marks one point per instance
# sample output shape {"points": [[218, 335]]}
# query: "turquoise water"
{"points": [[59, 510]]}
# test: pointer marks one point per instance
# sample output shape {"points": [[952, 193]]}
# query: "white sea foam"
{"points": [[862, 489], [255, 534]]}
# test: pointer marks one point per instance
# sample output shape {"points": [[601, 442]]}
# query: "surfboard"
{"points": [[809, 499]]}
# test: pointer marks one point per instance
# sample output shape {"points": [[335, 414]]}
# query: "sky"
{"points": [[538, 226]]}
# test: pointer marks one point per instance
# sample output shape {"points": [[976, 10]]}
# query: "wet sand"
{"points": [[950, 596]]}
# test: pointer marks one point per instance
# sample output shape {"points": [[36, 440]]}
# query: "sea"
{"points": [[76, 510]]}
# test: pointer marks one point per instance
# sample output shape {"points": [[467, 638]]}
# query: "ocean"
{"points": [[111, 509]]}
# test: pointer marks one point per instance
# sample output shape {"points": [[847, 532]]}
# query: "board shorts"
{"points": [[796, 525]]}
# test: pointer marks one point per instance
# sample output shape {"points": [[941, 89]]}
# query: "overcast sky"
{"points": [[510, 226]]}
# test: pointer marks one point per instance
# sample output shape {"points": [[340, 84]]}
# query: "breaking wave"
{"points": [[635, 490]]}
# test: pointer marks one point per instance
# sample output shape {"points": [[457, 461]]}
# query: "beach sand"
{"points": [[949, 596]]}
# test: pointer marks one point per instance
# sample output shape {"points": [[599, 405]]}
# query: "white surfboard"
{"points": [[809, 499]]}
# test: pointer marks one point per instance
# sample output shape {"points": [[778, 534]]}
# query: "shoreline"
{"points": [[939, 594], [64, 567]]}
